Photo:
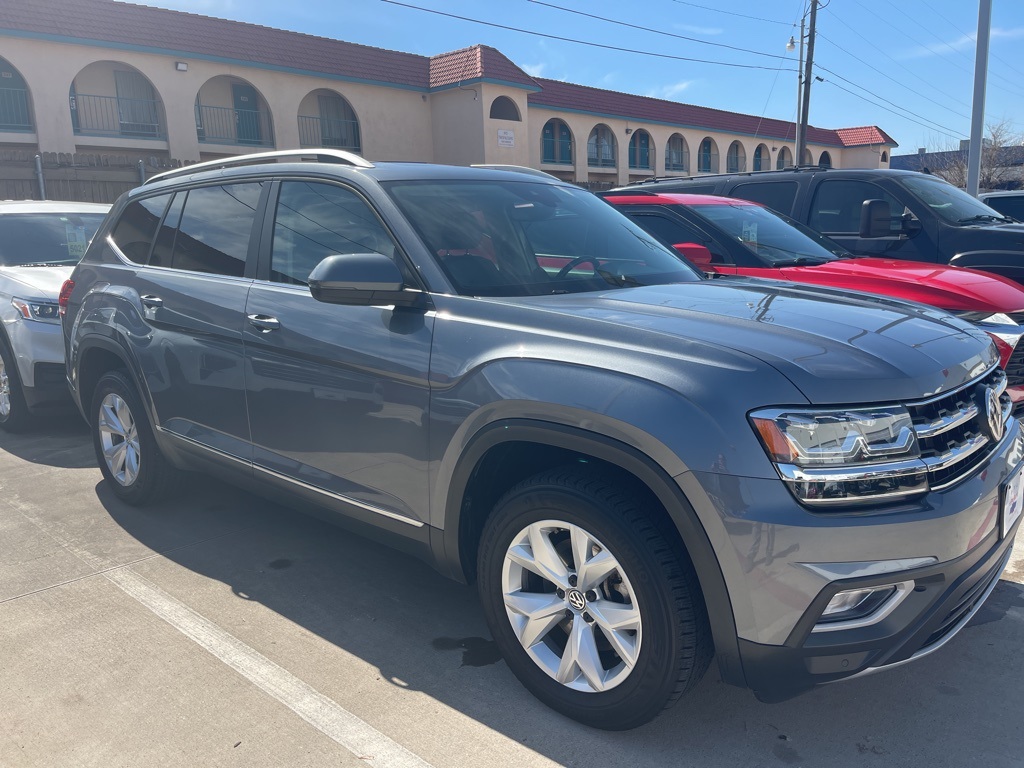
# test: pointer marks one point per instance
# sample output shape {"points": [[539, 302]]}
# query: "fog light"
{"points": [[862, 607]]}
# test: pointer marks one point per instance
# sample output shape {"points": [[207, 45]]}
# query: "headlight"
{"points": [[37, 310], [844, 456], [1003, 329]]}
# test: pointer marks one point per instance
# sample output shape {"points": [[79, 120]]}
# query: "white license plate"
{"points": [[1013, 500]]}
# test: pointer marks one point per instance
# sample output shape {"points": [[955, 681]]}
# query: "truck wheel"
{"points": [[597, 612], [14, 413], [126, 451]]}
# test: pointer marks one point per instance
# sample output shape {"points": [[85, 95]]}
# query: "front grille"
{"points": [[50, 375], [953, 432]]}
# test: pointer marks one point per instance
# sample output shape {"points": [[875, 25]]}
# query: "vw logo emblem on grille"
{"points": [[576, 599], [994, 413]]}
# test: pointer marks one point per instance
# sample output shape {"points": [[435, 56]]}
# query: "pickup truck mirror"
{"points": [[697, 254], [360, 279], [875, 218]]}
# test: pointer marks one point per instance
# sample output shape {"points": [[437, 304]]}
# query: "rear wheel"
{"points": [[596, 610], [126, 450], [14, 413]]}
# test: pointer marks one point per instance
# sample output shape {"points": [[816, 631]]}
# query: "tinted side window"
{"points": [[164, 245], [316, 220], [672, 231], [135, 229], [837, 204], [778, 195], [215, 227], [1009, 206]]}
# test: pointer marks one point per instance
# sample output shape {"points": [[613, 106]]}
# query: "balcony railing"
{"points": [[224, 125], [322, 132], [114, 116], [14, 114]]}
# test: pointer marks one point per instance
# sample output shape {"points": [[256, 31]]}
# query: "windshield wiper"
{"points": [[800, 261], [985, 217]]}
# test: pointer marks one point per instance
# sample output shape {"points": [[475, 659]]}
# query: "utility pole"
{"points": [[980, 81], [800, 88], [801, 141]]}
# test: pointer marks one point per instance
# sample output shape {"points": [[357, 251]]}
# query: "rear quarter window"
{"points": [[777, 195], [134, 231]]}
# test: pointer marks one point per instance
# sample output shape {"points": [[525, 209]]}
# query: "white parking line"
{"points": [[360, 738]]}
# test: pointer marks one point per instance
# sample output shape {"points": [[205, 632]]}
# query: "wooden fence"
{"points": [[81, 177]]}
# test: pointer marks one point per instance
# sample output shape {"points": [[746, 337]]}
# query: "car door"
{"points": [[193, 295], [337, 395], [835, 210]]}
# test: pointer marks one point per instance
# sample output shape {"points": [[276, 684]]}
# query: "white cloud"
{"points": [[964, 42], [698, 30], [533, 70], [672, 91]]}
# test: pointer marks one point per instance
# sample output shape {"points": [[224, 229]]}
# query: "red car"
{"points": [[726, 236]]}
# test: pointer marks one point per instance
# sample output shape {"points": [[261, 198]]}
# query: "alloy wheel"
{"points": [[5, 390], [119, 439]]}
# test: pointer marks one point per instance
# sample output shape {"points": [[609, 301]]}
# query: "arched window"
{"points": [[111, 98], [825, 161], [15, 113], [601, 147], [503, 108], [707, 156], [640, 150], [229, 110], [885, 156], [762, 158], [677, 154], [785, 158], [808, 159], [326, 119], [556, 143], [736, 158]]}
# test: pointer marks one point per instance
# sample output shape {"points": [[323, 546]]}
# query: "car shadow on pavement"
{"points": [[54, 438], [426, 633]]}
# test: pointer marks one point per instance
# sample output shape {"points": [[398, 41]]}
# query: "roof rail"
{"points": [[516, 169], [318, 155]]}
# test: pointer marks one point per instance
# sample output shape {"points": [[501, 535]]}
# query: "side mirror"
{"points": [[875, 218], [360, 279], [697, 254]]}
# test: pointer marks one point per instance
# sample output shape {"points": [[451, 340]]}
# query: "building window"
{"points": [[335, 126], [640, 150], [736, 158], [825, 161], [785, 158], [762, 158], [601, 148], [885, 156], [503, 108], [556, 143], [14, 109], [707, 156], [808, 159], [677, 154]]}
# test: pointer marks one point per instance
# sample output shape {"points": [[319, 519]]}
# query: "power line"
{"points": [[658, 31], [731, 13], [580, 42], [880, 106]]}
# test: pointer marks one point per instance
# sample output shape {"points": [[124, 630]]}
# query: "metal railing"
{"points": [[225, 125], [322, 132], [14, 114], [115, 116]]}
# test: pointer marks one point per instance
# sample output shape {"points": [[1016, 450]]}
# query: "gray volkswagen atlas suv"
{"points": [[497, 372]]}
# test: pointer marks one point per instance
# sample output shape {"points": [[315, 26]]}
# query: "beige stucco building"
{"points": [[136, 80]]}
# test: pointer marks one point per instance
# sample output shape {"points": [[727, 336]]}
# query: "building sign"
{"points": [[506, 138]]}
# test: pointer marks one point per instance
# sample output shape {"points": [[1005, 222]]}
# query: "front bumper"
{"points": [[39, 354], [944, 599]]}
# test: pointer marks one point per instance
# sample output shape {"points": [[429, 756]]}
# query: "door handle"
{"points": [[264, 323], [151, 301]]}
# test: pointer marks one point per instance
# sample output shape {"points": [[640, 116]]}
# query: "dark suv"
{"points": [[503, 375], [884, 212]]}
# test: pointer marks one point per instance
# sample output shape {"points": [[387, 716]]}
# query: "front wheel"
{"points": [[126, 450], [596, 610], [14, 413]]}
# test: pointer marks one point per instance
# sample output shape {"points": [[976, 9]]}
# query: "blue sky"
{"points": [[914, 59]]}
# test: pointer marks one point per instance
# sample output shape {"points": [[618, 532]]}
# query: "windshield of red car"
{"points": [[764, 233], [45, 238]]}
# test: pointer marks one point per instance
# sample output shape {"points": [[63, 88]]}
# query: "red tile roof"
{"points": [[476, 62], [121, 23]]}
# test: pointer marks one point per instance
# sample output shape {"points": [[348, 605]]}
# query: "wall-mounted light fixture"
{"points": [[629, 131], [181, 66]]}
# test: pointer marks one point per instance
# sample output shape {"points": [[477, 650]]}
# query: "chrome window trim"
{"points": [[126, 262]]}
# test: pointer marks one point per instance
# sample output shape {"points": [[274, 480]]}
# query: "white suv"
{"points": [[40, 243]]}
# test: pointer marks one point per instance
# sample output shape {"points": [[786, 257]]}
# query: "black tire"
{"points": [[18, 418], [675, 646], [153, 477]]}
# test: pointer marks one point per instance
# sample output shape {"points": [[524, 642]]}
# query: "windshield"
{"points": [[525, 238], [767, 235], [949, 202], [45, 238]]}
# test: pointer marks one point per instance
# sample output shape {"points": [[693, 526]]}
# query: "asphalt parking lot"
{"points": [[220, 629]]}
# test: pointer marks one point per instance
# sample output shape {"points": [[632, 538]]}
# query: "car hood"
{"points": [[950, 288], [35, 282], [834, 346]]}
